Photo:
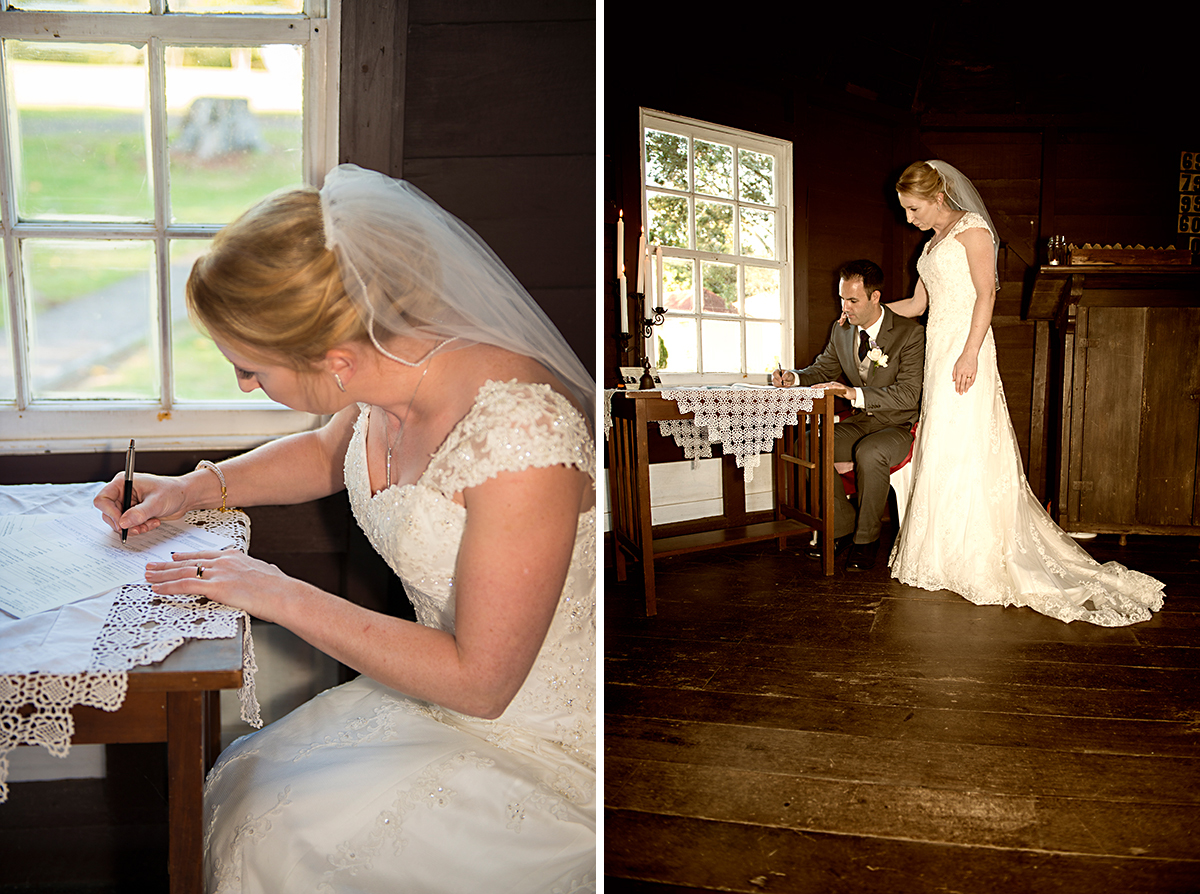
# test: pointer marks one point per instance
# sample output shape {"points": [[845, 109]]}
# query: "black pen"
{"points": [[128, 501]]}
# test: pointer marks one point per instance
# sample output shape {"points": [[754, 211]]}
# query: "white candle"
{"points": [[623, 302], [641, 276], [651, 288], [621, 245], [658, 253]]}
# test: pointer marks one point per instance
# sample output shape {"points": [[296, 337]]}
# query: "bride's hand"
{"points": [[964, 372], [155, 498], [230, 577]]}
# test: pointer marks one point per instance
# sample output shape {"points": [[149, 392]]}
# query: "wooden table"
{"points": [[803, 470], [176, 701]]}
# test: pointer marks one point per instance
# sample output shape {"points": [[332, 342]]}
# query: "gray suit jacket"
{"points": [[892, 394]]}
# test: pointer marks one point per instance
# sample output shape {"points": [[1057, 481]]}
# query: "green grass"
{"points": [[93, 163], [88, 163], [201, 374]]}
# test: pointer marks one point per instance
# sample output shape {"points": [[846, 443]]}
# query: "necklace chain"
{"points": [[395, 443]]}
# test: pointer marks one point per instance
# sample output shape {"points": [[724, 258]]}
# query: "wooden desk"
{"points": [[176, 701], [803, 469]]}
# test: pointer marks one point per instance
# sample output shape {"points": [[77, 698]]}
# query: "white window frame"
{"points": [[739, 139], [61, 426]]}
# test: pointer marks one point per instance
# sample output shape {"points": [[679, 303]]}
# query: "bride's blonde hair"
{"points": [[269, 283], [921, 179]]}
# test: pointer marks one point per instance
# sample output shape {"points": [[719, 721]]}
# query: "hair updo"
{"points": [[921, 179], [269, 282]]}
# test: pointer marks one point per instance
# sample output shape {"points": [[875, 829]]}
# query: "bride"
{"points": [[972, 525], [463, 758]]}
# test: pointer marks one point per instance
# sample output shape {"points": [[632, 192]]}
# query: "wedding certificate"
{"points": [[65, 558]]}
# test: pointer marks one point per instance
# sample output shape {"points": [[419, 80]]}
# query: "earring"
{"points": [[338, 379]]}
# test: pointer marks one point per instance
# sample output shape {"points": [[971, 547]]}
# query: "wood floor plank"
{"points": [[1179, 737], [710, 855], [966, 767], [1031, 821], [776, 730]]}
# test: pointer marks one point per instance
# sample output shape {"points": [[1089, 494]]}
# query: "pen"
{"points": [[128, 500]]}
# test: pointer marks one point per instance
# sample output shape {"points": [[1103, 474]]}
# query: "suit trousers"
{"points": [[874, 447]]}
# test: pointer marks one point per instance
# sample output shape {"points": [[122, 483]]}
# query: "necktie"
{"points": [[864, 345]]}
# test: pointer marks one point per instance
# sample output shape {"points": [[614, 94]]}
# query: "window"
{"points": [[716, 203], [129, 135]]}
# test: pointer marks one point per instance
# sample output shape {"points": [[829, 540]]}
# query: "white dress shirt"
{"points": [[872, 333]]}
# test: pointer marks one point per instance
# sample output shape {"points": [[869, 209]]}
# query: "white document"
{"points": [[70, 557]]}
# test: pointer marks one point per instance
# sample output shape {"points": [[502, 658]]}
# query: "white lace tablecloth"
{"points": [[745, 421], [80, 654]]}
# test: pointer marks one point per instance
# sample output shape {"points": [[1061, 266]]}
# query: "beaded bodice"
{"points": [[418, 527]]}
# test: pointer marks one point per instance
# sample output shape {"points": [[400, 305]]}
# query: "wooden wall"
{"points": [[490, 108], [1099, 177]]}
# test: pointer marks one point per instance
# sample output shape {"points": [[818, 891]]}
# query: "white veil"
{"points": [[962, 196], [414, 269]]}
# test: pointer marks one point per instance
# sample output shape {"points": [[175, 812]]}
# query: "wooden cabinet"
{"points": [[1128, 346]]}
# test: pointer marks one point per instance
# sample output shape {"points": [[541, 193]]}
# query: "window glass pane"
{"points": [[678, 286], [714, 169], [675, 345], [81, 131], [201, 371], [8, 388], [721, 345], [719, 287], [85, 5], [666, 160], [758, 233], [668, 220], [93, 318], [259, 7], [756, 176], [764, 343], [234, 125], [762, 293], [714, 227]]}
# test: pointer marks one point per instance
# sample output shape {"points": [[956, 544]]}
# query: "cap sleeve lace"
{"points": [[512, 427]]}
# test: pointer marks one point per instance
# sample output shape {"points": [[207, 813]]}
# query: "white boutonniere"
{"points": [[876, 356]]}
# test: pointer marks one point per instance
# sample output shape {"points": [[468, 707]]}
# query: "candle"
{"points": [[641, 276], [651, 288], [658, 253], [621, 245], [624, 305]]}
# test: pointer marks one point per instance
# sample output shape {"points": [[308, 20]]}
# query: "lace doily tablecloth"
{"points": [[138, 628], [745, 421]]}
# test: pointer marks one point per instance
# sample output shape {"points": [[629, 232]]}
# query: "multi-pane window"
{"points": [[716, 203], [129, 134]]}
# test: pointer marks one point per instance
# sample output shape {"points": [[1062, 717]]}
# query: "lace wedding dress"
{"points": [[972, 524], [363, 789]]}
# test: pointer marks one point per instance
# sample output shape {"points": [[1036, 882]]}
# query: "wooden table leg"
{"points": [[185, 790], [212, 728], [642, 488]]}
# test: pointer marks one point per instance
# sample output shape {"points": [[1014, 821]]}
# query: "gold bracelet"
{"points": [[212, 466]]}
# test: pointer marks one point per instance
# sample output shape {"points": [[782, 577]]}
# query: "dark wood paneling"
{"points": [[371, 117], [515, 88], [490, 109]]}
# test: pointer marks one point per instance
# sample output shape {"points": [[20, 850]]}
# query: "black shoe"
{"points": [[840, 545], [862, 556]]}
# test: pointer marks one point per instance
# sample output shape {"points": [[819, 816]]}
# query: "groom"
{"points": [[882, 356]]}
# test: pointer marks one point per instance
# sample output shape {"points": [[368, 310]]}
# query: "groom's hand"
{"points": [[782, 378], [837, 388]]}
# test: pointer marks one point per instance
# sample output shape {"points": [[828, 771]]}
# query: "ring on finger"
{"points": [[200, 571]]}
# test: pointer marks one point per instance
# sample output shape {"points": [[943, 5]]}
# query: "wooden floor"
{"points": [[771, 730]]}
